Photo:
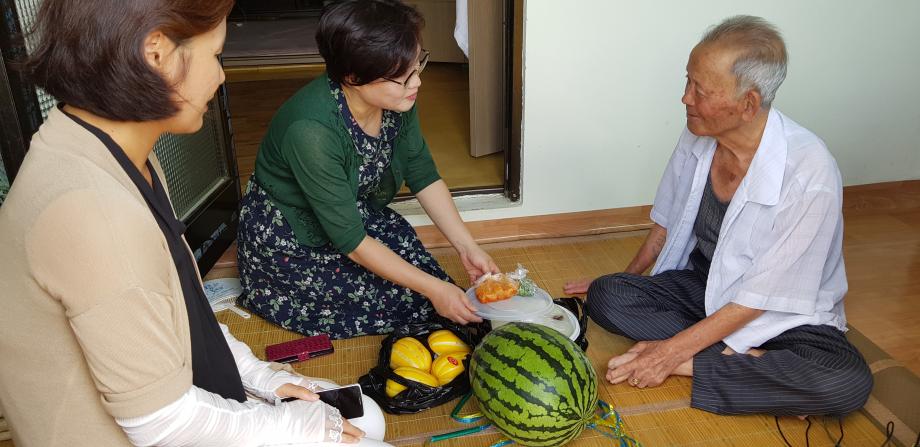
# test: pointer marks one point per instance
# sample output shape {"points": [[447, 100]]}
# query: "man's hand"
{"points": [[577, 287], [647, 255], [649, 363]]}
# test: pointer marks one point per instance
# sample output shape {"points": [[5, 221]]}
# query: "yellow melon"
{"points": [[410, 352], [448, 366], [413, 374], [393, 388], [446, 342]]}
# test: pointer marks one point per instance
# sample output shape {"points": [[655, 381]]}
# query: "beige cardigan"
{"points": [[92, 319]]}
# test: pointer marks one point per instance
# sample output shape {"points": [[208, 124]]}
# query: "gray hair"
{"points": [[762, 62]]}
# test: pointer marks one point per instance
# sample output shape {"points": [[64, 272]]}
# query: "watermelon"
{"points": [[534, 384]]}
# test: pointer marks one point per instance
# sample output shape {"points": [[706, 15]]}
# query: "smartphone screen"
{"points": [[347, 399]]}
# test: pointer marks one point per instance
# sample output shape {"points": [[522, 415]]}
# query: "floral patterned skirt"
{"points": [[313, 290]]}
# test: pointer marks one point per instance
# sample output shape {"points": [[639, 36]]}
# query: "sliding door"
{"points": [[488, 34]]}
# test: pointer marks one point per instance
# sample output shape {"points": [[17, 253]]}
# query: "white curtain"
{"points": [[461, 29]]}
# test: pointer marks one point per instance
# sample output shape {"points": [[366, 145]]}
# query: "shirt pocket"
{"points": [[761, 228], [737, 242]]}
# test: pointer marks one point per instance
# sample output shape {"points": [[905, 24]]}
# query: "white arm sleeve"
{"points": [[201, 418], [258, 376], [207, 419]]}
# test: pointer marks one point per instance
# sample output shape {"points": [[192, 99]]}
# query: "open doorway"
{"points": [[465, 101]]}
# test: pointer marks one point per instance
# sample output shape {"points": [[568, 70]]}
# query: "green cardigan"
{"points": [[308, 164]]}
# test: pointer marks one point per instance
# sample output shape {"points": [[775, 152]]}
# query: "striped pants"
{"points": [[808, 370]]}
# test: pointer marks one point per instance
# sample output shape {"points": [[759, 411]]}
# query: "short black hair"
{"points": [[90, 52], [365, 40]]}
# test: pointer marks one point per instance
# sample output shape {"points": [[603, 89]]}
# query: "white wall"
{"points": [[603, 81]]}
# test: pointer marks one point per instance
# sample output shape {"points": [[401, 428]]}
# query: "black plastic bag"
{"points": [[417, 396]]}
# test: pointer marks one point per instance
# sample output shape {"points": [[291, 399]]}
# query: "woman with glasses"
{"points": [[319, 250]]}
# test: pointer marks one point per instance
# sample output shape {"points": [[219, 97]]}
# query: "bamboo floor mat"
{"points": [[656, 417]]}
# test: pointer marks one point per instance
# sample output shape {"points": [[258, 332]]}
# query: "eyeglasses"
{"points": [[417, 72]]}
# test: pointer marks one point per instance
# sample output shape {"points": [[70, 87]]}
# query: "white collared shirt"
{"points": [[781, 241]]}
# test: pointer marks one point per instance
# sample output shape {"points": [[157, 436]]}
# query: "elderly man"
{"points": [[747, 291]]}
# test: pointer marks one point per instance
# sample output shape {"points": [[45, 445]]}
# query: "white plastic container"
{"points": [[558, 318]]}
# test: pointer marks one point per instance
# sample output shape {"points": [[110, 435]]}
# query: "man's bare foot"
{"points": [[685, 369], [621, 359], [616, 362], [754, 352]]}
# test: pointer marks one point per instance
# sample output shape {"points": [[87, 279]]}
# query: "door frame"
{"points": [[515, 98], [20, 112]]}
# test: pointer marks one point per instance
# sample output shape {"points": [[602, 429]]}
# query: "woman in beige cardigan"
{"points": [[105, 333]]}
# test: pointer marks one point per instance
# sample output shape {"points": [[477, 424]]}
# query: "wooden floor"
{"points": [[443, 104], [882, 256]]}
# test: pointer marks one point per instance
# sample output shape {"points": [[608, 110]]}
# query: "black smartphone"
{"points": [[347, 399]]}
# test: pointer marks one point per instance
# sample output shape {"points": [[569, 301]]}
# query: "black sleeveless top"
{"points": [[213, 366], [707, 226]]}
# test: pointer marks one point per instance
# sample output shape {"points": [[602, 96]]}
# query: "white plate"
{"points": [[558, 318], [515, 308]]}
